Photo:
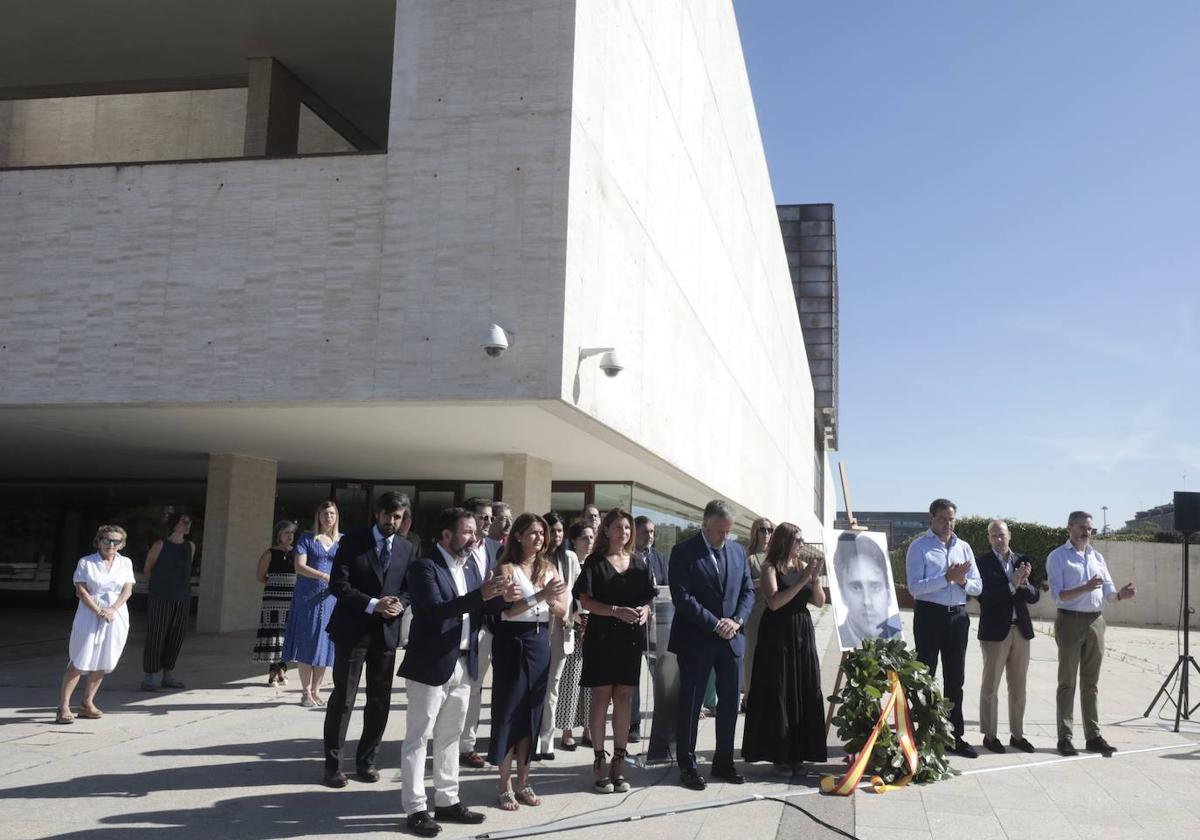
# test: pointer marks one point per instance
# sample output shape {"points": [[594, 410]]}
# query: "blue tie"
{"points": [[385, 557]]}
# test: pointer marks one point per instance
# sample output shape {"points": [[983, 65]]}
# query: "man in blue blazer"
{"points": [[368, 580], [448, 603], [712, 592]]}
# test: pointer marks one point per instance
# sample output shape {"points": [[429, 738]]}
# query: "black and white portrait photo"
{"points": [[861, 586]]}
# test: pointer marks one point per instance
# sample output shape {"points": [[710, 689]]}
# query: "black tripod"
{"points": [[1185, 659]]}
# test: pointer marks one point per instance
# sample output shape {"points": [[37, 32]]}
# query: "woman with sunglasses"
{"points": [[103, 583], [760, 535]]}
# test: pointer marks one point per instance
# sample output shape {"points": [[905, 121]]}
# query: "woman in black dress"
{"points": [[521, 656], [615, 588], [785, 721], [276, 569]]}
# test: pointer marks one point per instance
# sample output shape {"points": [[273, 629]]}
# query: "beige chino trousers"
{"points": [[1009, 657]]}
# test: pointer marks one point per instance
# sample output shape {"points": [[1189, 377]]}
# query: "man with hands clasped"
{"points": [[941, 574], [1080, 584]]}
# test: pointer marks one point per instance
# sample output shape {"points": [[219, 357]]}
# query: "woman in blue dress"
{"points": [[305, 641]]}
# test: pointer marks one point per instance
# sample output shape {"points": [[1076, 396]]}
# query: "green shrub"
{"points": [[860, 701]]}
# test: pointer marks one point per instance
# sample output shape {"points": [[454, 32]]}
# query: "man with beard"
{"points": [[368, 580]]}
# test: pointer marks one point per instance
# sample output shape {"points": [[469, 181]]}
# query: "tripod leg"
{"points": [[1192, 710], [1162, 689]]}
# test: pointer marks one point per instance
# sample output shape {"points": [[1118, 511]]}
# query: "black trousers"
{"points": [[348, 662], [940, 630], [166, 623]]}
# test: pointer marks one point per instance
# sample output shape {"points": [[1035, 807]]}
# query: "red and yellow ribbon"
{"points": [[895, 706]]}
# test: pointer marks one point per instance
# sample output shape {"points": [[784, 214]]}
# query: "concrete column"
{"points": [[238, 508], [526, 484], [272, 109]]}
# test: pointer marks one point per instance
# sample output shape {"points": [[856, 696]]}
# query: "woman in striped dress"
{"points": [[277, 571]]}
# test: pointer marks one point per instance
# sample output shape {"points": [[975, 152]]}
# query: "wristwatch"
{"points": [[531, 601]]}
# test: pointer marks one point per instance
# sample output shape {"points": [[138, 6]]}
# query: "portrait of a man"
{"points": [[860, 583]]}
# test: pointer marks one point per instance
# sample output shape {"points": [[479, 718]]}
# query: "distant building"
{"points": [[1161, 518], [898, 526]]}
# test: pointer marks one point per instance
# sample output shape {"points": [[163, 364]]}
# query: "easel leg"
{"points": [[837, 686]]}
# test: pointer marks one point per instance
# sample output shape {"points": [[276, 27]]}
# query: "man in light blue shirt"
{"points": [[1080, 584], [941, 574]]}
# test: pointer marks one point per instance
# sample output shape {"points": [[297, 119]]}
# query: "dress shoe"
{"points": [[471, 759], [546, 756], [421, 823], [457, 813], [367, 773], [334, 779], [1021, 744], [962, 748], [1065, 747], [634, 738], [569, 746], [727, 773], [1099, 745], [692, 779], [993, 744]]}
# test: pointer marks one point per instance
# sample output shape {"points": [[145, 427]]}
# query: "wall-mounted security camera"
{"points": [[610, 363], [495, 341]]}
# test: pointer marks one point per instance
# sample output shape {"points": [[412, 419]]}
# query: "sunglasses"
{"points": [[107, 541], [764, 529]]}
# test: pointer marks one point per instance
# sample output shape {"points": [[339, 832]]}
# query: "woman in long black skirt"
{"points": [[785, 721], [521, 656]]}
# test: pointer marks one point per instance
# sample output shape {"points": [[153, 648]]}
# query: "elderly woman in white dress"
{"points": [[103, 581]]}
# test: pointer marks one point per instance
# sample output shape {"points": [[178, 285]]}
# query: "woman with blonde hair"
{"points": [[103, 583], [760, 532], [521, 656], [785, 711], [616, 588], [305, 640]]}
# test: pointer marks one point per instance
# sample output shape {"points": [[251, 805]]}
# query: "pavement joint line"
{"points": [[1065, 759]]}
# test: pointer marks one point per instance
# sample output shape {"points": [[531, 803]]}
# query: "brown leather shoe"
{"points": [[471, 759], [334, 779], [367, 773]]}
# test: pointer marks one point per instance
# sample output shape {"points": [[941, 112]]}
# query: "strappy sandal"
{"points": [[568, 744], [90, 713], [508, 801], [63, 719], [528, 797], [619, 785], [600, 772]]}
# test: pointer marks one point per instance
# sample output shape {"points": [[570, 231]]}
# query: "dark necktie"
{"points": [[719, 554], [385, 557]]}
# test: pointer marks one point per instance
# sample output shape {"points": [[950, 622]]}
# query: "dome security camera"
{"points": [[610, 363], [495, 341]]}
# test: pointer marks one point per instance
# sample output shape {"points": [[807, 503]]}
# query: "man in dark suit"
{"points": [[1004, 634], [713, 594], [484, 554], [657, 564], [368, 580], [449, 600]]}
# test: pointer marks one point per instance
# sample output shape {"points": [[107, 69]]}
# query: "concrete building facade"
{"points": [[584, 175]]}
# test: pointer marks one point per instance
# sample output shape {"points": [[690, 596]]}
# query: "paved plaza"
{"points": [[230, 757]]}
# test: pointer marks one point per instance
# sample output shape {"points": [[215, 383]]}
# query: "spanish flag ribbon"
{"points": [[895, 706]]}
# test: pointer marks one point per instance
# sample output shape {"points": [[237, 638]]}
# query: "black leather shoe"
{"points": [[727, 773], [994, 744], [1021, 744], [1099, 745], [421, 824], [1065, 747], [962, 748], [334, 779], [457, 813], [692, 779], [634, 738], [367, 773]]}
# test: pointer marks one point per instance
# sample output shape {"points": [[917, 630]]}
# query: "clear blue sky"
{"points": [[1018, 204]]}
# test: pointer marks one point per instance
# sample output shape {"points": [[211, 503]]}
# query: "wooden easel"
{"points": [[853, 526]]}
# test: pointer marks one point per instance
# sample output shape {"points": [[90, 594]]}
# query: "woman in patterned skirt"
{"points": [[575, 703], [276, 569]]}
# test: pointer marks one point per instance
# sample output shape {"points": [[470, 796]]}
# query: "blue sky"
{"points": [[1018, 204]]}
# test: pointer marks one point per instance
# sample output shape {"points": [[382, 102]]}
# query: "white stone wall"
{"points": [[675, 257]]}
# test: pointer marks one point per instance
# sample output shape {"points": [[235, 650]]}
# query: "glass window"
{"points": [[486, 490], [568, 503], [609, 496], [297, 501]]}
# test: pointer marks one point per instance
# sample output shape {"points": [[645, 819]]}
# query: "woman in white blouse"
{"points": [[103, 582]]}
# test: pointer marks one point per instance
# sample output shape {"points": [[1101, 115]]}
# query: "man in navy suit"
{"points": [[484, 555], [368, 580], [442, 658], [712, 592]]}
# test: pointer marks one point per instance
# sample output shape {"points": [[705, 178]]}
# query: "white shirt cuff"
{"points": [[371, 605]]}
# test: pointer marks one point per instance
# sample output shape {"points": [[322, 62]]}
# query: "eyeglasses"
{"points": [[107, 541], [765, 529], [487, 517]]}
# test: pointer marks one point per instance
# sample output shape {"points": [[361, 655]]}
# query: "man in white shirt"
{"points": [[1080, 584], [484, 554], [449, 600]]}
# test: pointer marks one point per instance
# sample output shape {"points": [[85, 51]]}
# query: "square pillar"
{"points": [[526, 484], [272, 110], [238, 510]]}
